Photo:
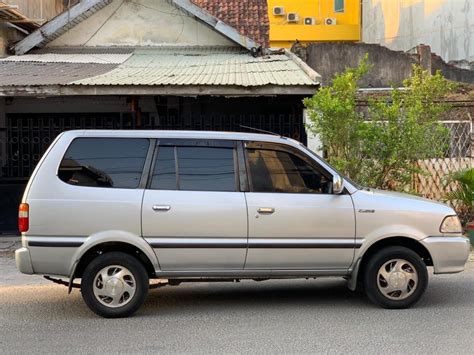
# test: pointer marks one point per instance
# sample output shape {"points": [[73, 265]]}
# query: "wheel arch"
{"points": [[404, 241], [114, 241]]}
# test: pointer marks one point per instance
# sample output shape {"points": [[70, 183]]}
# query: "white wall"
{"points": [[446, 25], [314, 142], [140, 23]]}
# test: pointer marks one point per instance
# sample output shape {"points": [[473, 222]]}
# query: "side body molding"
{"points": [[117, 237]]}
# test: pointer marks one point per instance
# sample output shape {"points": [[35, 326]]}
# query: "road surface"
{"points": [[297, 316]]}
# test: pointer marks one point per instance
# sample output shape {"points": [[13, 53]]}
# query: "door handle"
{"points": [[266, 210], [161, 208]]}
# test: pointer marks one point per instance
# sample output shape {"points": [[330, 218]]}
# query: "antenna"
{"points": [[261, 130]]}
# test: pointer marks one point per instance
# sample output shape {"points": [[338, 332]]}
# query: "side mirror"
{"points": [[337, 184]]}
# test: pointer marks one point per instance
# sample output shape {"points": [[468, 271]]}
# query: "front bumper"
{"points": [[23, 261], [449, 254]]}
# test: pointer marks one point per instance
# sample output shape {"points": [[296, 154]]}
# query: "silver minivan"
{"points": [[118, 208]]}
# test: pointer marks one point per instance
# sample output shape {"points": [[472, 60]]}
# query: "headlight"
{"points": [[451, 224]]}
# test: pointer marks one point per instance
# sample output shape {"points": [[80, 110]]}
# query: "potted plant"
{"points": [[463, 198]]}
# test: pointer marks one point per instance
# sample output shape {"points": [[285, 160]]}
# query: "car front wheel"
{"points": [[114, 285], [395, 277]]}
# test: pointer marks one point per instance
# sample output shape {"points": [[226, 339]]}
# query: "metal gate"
{"points": [[29, 135]]}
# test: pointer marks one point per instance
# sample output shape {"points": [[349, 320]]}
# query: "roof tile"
{"points": [[249, 17]]}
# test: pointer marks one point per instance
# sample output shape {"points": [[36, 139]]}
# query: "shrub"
{"points": [[379, 148]]}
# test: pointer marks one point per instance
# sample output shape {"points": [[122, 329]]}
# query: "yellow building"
{"points": [[313, 21]]}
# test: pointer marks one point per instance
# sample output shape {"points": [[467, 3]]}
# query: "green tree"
{"points": [[379, 148], [463, 193]]}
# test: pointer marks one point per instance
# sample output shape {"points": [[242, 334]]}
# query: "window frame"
{"points": [[145, 168], [287, 149], [341, 10], [239, 182]]}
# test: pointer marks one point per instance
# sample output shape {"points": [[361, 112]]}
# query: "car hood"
{"points": [[406, 200]]}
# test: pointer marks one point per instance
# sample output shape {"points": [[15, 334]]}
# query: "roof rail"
{"points": [[261, 131]]}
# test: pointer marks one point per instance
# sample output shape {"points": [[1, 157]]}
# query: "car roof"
{"points": [[183, 134]]}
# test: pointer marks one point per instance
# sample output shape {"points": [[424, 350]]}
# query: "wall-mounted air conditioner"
{"points": [[310, 21], [330, 21], [292, 17], [279, 11]]}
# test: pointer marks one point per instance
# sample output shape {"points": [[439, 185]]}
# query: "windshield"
{"points": [[356, 185]]}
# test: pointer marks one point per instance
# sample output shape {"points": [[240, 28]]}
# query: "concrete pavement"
{"points": [[291, 316]]}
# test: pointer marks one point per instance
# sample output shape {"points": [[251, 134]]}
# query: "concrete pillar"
{"points": [[424, 53], [314, 143]]}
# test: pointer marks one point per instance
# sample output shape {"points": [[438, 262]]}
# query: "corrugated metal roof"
{"points": [[98, 58], [84, 50], [157, 66], [202, 66], [41, 74]]}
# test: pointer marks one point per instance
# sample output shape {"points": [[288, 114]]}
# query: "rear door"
{"points": [[193, 214], [295, 221]]}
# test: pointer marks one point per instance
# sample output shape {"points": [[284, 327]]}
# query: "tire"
{"points": [[114, 285], [395, 278]]}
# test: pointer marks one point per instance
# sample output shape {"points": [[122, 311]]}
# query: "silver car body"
{"points": [[220, 234]]}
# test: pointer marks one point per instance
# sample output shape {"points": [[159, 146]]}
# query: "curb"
{"points": [[9, 243]]}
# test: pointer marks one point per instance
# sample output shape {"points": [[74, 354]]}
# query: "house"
{"points": [[141, 64]]}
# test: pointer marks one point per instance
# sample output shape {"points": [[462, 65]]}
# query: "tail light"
{"points": [[24, 217]]}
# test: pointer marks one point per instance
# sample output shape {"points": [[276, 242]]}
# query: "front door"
{"points": [[193, 214], [295, 222]]}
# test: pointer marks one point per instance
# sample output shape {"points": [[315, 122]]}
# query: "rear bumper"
{"points": [[449, 254], [23, 261]]}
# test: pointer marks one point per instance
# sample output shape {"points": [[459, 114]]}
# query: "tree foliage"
{"points": [[378, 147], [463, 193]]}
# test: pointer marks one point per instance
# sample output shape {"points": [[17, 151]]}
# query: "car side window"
{"points": [[164, 175], [194, 169], [104, 162], [281, 171]]}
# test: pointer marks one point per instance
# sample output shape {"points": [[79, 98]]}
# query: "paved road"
{"points": [[303, 316]]}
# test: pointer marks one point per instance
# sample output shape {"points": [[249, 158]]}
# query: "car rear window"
{"points": [[104, 162]]}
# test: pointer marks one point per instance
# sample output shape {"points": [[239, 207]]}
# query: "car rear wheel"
{"points": [[395, 277], [114, 285]]}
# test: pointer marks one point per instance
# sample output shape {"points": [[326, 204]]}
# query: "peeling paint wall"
{"points": [[445, 25], [141, 23]]}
